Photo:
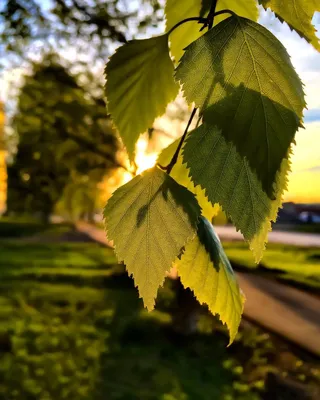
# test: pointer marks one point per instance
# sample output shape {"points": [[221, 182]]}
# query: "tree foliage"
{"points": [[250, 104], [26, 24], [66, 143]]}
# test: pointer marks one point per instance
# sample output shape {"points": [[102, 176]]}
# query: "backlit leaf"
{"points": [[242, 78], [181, 174], [139, 86], [298, 15], [150, 219], [187, 33], [228, 180], [206, 270]]}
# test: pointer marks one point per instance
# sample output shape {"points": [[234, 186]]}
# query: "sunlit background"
{"points": [[304, 182], [72, 325]]}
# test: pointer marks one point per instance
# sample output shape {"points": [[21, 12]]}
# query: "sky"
{"points": [[304, 181]]}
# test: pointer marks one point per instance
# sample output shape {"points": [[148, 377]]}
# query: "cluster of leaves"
{"points": [[29, 26], [66, 144], [250, 102]]}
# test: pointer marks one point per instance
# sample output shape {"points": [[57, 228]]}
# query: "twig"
{"points": [[201, 20], [174, 159], [211, 15]]}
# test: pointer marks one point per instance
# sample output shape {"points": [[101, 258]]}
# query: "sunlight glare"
{"points": [[144, 160]]}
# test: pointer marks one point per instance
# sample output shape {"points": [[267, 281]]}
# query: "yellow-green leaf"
{"points": [[242, 78], [139, 86], [298, 15], [227, 179], [149, 220], [206, 270], [187, 33], [180, 173]]}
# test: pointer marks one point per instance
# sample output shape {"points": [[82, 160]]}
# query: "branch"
{"points": [[101, 22]]}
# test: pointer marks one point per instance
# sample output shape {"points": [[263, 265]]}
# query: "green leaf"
{"points": [[206, 270], [189, 32], [298, 15], [227, 179], [139, 86], [180, 173], [242, 78], [150, 219]]}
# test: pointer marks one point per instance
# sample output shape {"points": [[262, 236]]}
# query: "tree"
{"points": [[249, 102], [66, 143]]}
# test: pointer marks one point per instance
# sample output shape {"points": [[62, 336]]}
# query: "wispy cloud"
{"points": [[315, 169], [312, 115]]}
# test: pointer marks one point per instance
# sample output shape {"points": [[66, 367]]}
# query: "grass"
{"points": [[72, 327], [296, 265]]}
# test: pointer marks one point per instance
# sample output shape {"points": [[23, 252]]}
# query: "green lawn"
{"points": [[72, 327], [292, 264]]}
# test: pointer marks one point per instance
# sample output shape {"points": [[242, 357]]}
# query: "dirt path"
{"points": [[287, 311]]}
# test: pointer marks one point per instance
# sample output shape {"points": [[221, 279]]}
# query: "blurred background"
{"points": [[72, 325]]}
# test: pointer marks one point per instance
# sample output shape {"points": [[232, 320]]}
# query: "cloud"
{"points": [[312, 115], [311, 61], [315, 169]]}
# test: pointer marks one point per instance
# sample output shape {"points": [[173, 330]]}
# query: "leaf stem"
{"points": [[174, 159], [201, 20], [210, 18], [207, 22], [226, 11]]}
